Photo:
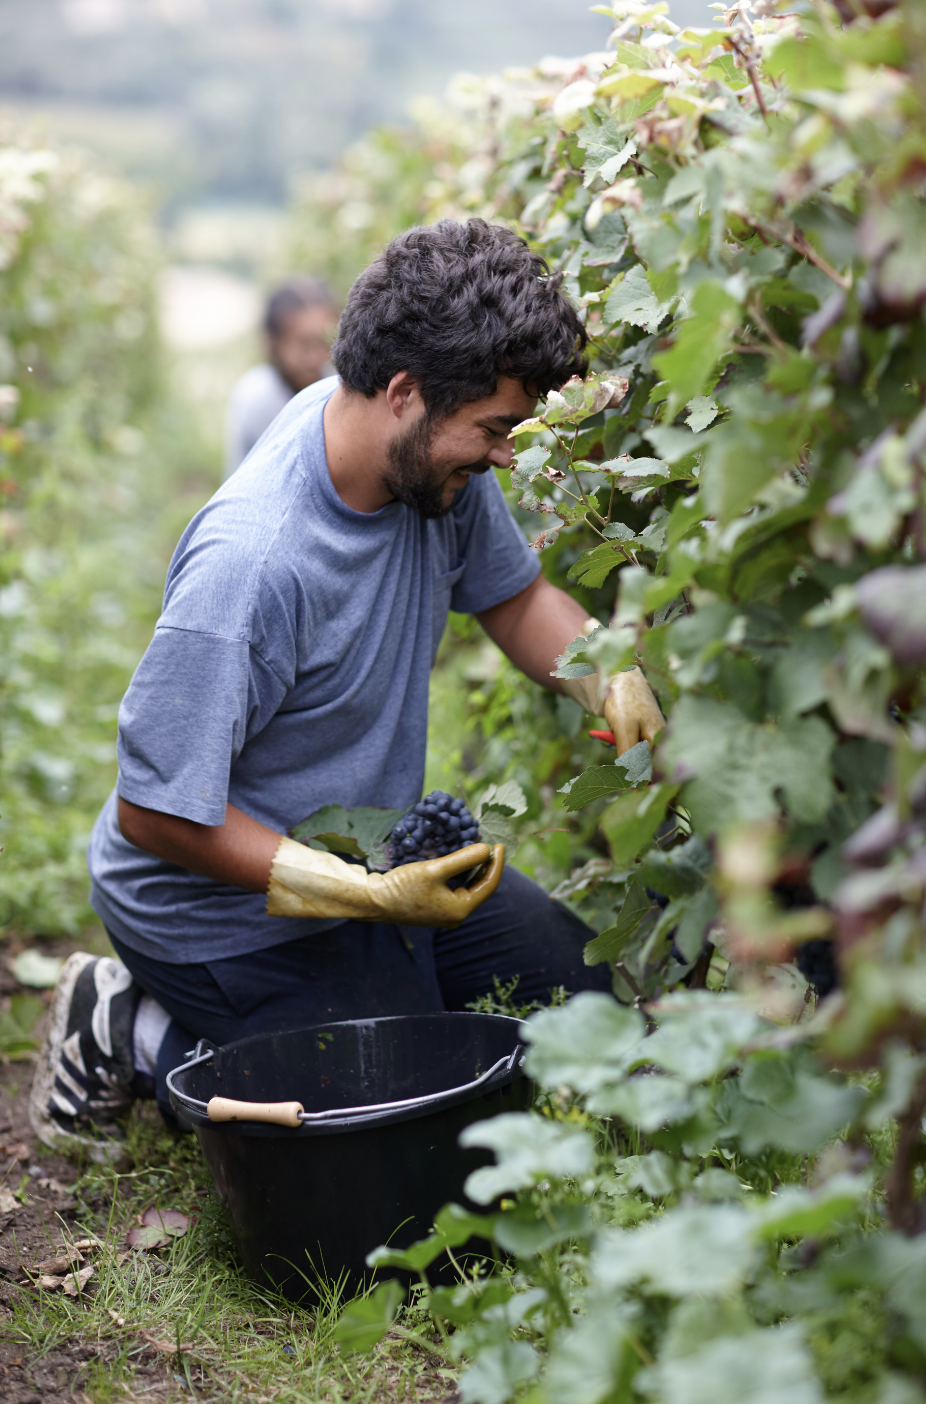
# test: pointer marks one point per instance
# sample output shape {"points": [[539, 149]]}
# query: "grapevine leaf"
{"points": [[528, 1149], [634, 302], [594, 783], [630, 823], [770, 1366], [354, 831], [586, 1045], [529, 464], [701, 1034], [593, 568], [647, 1101], [527, 1231], [611, 943], [365, 1321], [695, 1248], [678, 873]]}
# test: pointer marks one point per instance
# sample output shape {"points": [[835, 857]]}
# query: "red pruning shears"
{"points": [[606, 736]]}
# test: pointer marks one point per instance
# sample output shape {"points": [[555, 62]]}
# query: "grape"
{"points": [[437, 825], [816, 962]]}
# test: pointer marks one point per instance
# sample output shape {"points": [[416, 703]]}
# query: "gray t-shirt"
{"points": [[289, 670]]}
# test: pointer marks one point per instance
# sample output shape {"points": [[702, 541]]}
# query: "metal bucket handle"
{"points": [[292, 1114]]}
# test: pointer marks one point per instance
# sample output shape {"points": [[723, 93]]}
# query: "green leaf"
{"points": [[499, 1372], [699, 341], [578, 399], [595, 1360], [527, 1231], [724, 70], [680, 871], [695, 922], [17, 1039], [611, 943], [498, 805], [741, 767], [529, 464], [634, 302], [528, 1149], [701, 1034], [356, 831], [587, 1044], [792, 1109], [770, 1366], [630, 823], [806, 62], [797, 1212], [452, 1227], [703, 411], [508, 799], [675, 444], [364, 1322], [593, 568], [647, 1101], [592, 784], [634, 767], [697, 1248]]}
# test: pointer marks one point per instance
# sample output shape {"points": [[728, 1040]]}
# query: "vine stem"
{"points": [[901, 1205], [751, 70], [795, 240]]}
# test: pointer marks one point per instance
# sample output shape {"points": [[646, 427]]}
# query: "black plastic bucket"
{"points": [[376, 1153]]}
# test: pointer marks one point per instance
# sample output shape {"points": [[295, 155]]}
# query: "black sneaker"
{"points": [[85, 1076]]}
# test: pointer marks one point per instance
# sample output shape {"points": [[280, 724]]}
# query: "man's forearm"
{"points": [[239, 852], [534, 627]]}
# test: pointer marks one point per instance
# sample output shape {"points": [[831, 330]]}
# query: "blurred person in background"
{"points": [[299, 325]]}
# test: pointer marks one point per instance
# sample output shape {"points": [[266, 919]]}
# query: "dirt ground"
{"points": [[51, 1356], [34, 1231]]}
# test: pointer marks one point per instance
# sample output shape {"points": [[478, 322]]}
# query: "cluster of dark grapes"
{"points": [[438, 824], [816, 961]]}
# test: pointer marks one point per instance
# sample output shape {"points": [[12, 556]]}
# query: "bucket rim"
{"points": [[506, 1070]]}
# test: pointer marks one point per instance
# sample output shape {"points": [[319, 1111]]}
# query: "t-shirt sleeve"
{"points": [[499, 561], [193, 702]]}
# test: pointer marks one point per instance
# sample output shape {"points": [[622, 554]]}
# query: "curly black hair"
{"points": [[457, 306]]}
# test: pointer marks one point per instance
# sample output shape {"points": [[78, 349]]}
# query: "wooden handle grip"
{"points": [[278, 1113]]}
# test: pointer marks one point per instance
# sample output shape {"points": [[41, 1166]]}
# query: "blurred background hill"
{"points": [[228, 101]]}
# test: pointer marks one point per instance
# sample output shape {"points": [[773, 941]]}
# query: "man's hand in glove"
{"points": [[307, 883], [625, 700]]}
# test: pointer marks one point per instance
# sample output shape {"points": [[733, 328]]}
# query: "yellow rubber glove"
{"points": [[307, 883], [625, 700]]}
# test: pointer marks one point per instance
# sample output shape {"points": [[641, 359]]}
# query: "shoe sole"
{"points": [[43, 1084]]}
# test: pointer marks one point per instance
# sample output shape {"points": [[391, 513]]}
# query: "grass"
{"points": [[184, 1321]]}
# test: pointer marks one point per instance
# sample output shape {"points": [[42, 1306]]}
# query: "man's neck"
{"points": [[356, 439]]}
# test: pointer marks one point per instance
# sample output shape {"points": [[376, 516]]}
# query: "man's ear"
{"points": [[403, 396]]}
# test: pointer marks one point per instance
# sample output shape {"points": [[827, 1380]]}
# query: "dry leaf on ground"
{"points": [[17, 1149], [64, 1261], [166, 1347], [8, 1200], [75, 1282], [157, 1227], [169, 1221]]}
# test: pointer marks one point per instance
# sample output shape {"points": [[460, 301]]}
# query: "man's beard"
{"points": [[412, 477]]}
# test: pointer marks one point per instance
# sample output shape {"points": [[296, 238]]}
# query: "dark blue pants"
{"points": [[364, 969]]}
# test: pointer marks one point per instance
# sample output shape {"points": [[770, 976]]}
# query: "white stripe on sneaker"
{"points": [[111, 978]]}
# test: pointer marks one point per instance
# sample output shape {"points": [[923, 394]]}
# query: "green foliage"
{"points": [[736, 492], [89, 511]]}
